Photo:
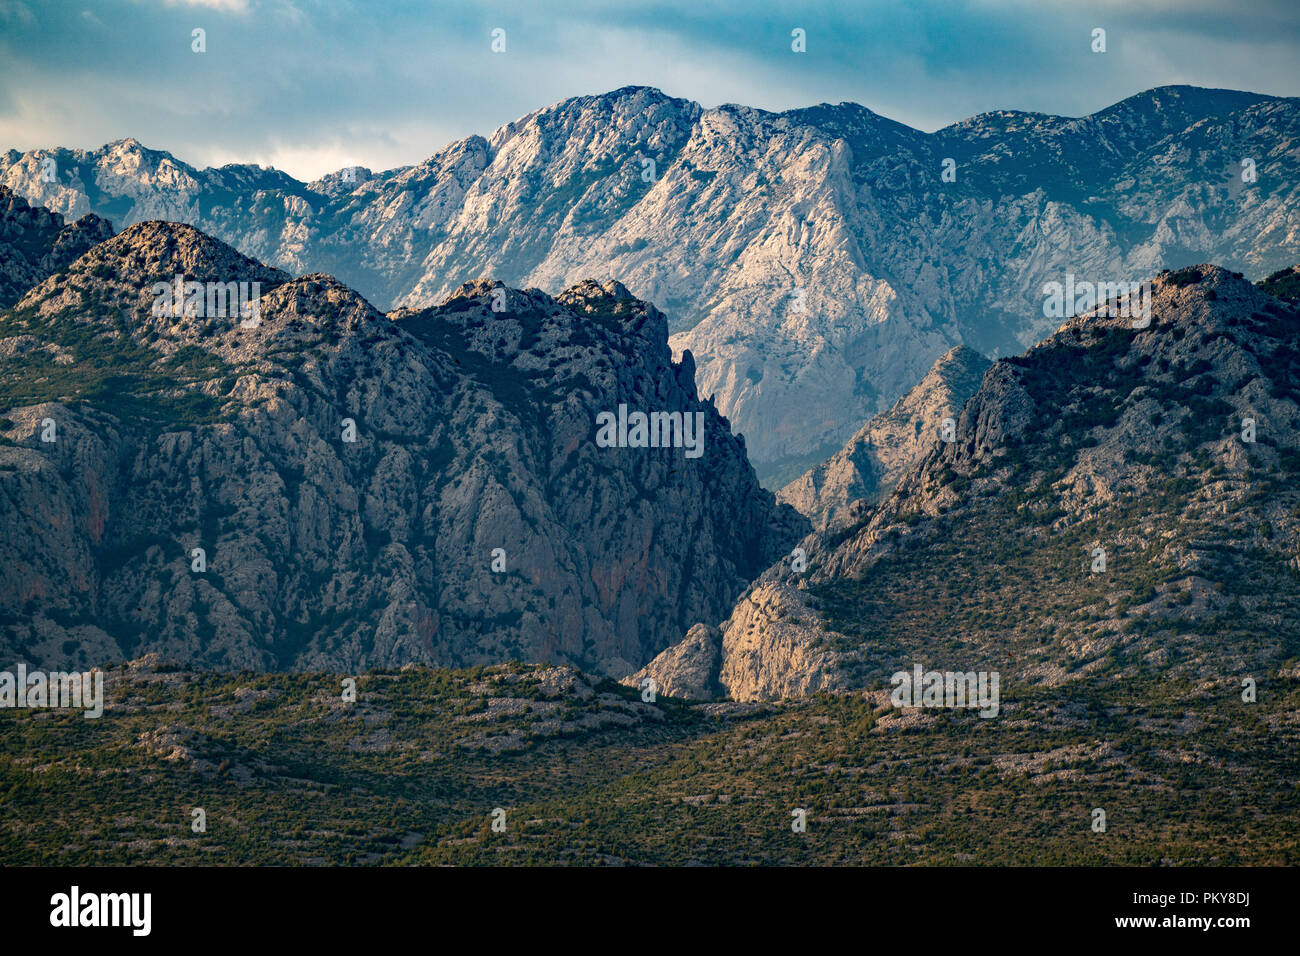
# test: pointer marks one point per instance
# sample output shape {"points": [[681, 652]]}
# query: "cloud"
{"points": [[304, 84], [225, 6], [12, 11]]}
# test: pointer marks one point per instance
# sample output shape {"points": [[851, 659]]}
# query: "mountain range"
{"points": [[314, 484], [815, 262], [1117, 502], [227, 505]]}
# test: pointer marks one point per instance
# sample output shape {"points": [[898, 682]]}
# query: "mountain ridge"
{"points": [[815, 262], [352, 478], [1116, 496]]}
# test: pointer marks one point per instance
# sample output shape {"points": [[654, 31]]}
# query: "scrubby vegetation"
{"points": [[287, 773], [103, 366]]}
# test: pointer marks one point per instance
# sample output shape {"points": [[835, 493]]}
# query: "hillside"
{"points": [[367, 490], [587, 773], [1102, 438]]}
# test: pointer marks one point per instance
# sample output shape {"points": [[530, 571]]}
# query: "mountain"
{"points": [[816, 262], [872, 462], [35, 243], [1121, 506], [367, 490]]}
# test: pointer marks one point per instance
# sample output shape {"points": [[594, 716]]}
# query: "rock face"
{"points": [[873, 461], [688, 670], [816, 262], [772, 647], [367, 490], [1117, 496], [35, 243]]}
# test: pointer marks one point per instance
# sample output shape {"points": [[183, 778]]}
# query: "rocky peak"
{"points": [[324, 303], [35, 242], [76, 239], [592, 296], [368, 490], [346, 180], [157, 249], [873, 461], [127, 285]]}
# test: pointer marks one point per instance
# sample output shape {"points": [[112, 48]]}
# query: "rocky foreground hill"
{"points": [[816, 262], [1119, 502], [309, 483]]}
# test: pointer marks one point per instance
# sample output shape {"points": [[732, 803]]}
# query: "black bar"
{"points": [[912, 907]]}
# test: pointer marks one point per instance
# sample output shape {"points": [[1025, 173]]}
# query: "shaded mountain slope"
{"points": [[349, 477], [874, 459], [1103, 438]]}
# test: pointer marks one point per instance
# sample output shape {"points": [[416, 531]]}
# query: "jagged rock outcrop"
{"points": [[815, 262], [1107, 411], [688, 670], [353, 478], [771, 647], [35, 243], [774, 646], [872, 462], [1122, 495]]}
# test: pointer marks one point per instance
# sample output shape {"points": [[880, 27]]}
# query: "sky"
{"points": [[310, 86]]}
